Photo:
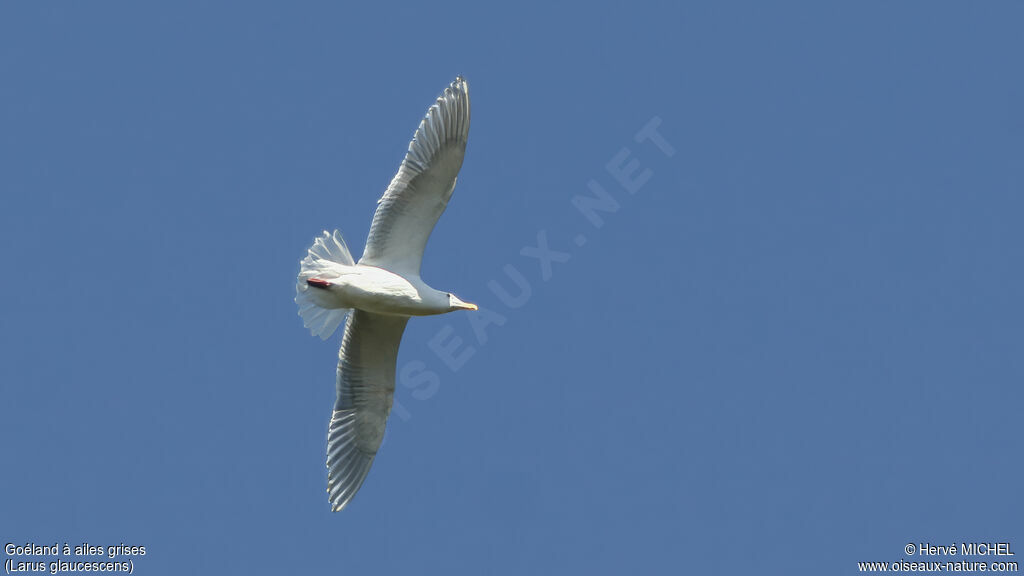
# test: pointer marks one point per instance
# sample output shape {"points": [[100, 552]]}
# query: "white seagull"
{"points": [[382, 290]]}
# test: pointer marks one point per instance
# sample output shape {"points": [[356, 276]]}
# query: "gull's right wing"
{"points": [[419, 193]]}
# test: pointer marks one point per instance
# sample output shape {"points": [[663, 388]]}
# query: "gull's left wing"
{"points": [[366, 386]]}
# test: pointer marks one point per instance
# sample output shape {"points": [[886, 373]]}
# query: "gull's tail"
{"points": [[322, 261]]}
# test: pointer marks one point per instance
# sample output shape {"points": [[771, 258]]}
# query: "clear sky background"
{"points": [[796, 346]]}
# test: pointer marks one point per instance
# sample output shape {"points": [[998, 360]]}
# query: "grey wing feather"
{"points": [[419, 192], [366, 386]]}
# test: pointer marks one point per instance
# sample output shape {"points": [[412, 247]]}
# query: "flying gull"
{"points": [[379, 293]]}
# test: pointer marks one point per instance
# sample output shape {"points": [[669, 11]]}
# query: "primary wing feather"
{"points": [[366, 386], [419, 192]]}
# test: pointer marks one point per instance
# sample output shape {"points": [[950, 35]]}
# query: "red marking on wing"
{"points": [[318, 282]]}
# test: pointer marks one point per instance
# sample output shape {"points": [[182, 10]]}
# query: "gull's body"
{"points": [[374, 289], [380, 292]]}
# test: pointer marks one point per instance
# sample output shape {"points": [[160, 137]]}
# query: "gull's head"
{"points": [[455, 304]]}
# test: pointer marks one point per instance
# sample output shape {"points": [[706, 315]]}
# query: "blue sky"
{"points": [[796, 346]]}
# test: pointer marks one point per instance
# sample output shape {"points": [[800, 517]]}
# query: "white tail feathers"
{"points": [[326, 249], [323, 260]]}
